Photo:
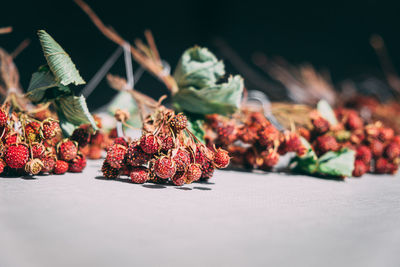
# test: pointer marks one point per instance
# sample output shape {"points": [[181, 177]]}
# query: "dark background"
{"points": [[330, 35]]}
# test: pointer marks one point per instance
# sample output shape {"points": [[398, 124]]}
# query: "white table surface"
{"points": [[238, 219]]}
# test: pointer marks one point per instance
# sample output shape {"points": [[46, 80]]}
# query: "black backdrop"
{"points": [[330, 35]]}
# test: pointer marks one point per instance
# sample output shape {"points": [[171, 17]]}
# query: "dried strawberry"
{"points": [[207, 170], [34, 166], [320, 124], [326, 143], [121, 141], [116, 155], [3, 118], [267, 136], [383, 166], [165, 167], [226, 133], [354, 121], [77, 164], [50, 128], [178, 122], [292, 143], [67, 149], [108, 171], [364, 154], [221, 158], [135, 156], [385, 134], [270, 159], [17, 156], [97, 138], [48, 163], [360, 168], [38, 150], [167, 143], [60, 167], [150, 143], [179, 178], [32, 131], [376, 147], [182, 159], [139, 175], [392, 151], [81, 135], [193, 173], [95, 152], [2, 166]]}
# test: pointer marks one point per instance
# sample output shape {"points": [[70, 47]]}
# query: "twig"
{"points": [[24, 44], [6, 30]]}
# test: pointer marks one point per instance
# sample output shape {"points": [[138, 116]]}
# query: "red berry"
{"points": [[354, 121], [193, 172], [135, 156], [178, 122], [167, 143], [97, 138], [226, 133], [383, 166], [270, 159], [34, 166], [116, 155], [17, 156], [121, 141], [139, 175], [292, 143], [95, 152], [182, 159], [38, 150], [150, 143], [50, 128], [248, 134], [258, 119], [67, 150], [321, 125], [221, 158], [392, 151], [12, 138], [364, 154], [3, 118], [376, 147], [200, 157], [165, 167], [326, 143], [108, 171], [81, 135], [32, 131], [207, 170], [2, 165], [179, 178], [48, 163], [77, 164], [360, 168], [60, 167], [385, 134], [267, 136]]}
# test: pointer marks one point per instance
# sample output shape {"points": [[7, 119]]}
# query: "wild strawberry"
{"points": [[292, 143], [139, 175], [116, 155], [113, 133], [150, 143], [364, 154], [77, 164], [3, 118], [321, 125], [108, 171], [373, 130], [213, 120], [17, 155], [81, 135], [357, 136], [95, 152], [267, 136], [48, 163], [182, 159], [34, 166], [226, 133], [396, 139], [135, 156], [38, 150], [97, 138], [221, 158], [50, 128], [179, 178], [178, 122], [60, 167], [67, 150], [305, 133], [376, 147], [12, 138], [32, 131], [200, 156], [270, 159], [382, 166], [193, 173], [258, 119], [354, 121], [385, 134], [248, 134], [207, 170], [2, 166], [360, 168], [326, 143], [392, 151], [165, 167], [167, 143], [121, 141]]}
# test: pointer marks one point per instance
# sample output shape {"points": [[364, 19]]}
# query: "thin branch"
{"points": [[24, 44], [6, 30]]}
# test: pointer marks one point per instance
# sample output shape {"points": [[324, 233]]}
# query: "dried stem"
{"points": [[6, 30], [24, 44]]}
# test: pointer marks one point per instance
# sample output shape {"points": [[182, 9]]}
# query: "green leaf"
{"points": [[196, 127], [58, 60], [73, 109], [327, 112], [198, 75], [339, 163], [222, 99]]}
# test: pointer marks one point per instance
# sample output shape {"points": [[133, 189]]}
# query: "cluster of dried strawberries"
{"points": [[31, 146], [251, 139], [377, 147], [166, 151]]}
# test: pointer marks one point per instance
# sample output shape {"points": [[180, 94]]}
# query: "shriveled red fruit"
{"points": [[81, 135], [108, 171], [135, 156], [383, 166], [221, 158], [50, 128], [95, 152], [165, 167], [60, 167], [267, 136], [226, 133], [258, 119], [213, 120], [354, 121], [305, 133], [179, 178], [270, 159], [12, 138], [392, 151], [364, 154], [48, 163], [2, 165], [360, 168], [150, 143], [326, 143], [385, 134], [357, 136], [320, 124], [193, 172], [376, 147], [248, 134], [207, 170], [17, 155], [178, 122], [3, 118], [121, 141], [139, 175], [182, 159], [38, 150], [67, 150], [32, 131], [34, 166], [167, 143], [77, 164], [200, 156], [292, 143], [97, 138], [116, 155]]}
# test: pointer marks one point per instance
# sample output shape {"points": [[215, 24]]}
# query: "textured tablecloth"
{"points": [[238, 219]]}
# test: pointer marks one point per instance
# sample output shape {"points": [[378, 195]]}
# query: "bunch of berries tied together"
{"points": [[31, 146], [251, 139], [377, 147], [166, 152]]}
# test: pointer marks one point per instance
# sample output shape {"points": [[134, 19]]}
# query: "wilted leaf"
{"points": [[327, 112], [59, 61]]}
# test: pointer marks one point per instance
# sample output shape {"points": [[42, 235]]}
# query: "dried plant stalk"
{"points": [[5, 30]]}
